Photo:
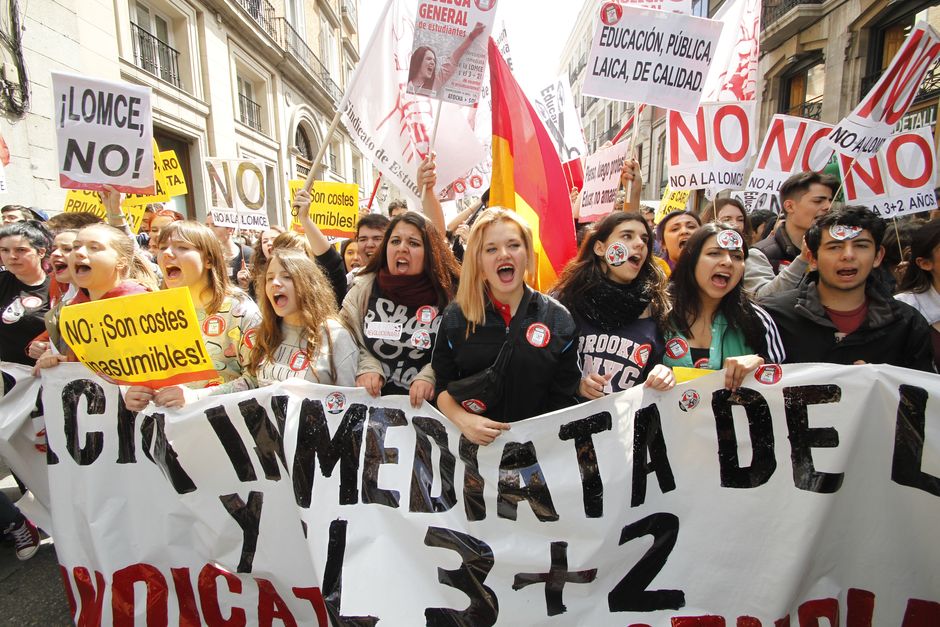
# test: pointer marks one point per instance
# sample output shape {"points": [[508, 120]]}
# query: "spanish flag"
{"points": [[527, 174]]}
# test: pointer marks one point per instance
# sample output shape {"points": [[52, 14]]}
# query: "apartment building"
{"points": [[245, 79]]}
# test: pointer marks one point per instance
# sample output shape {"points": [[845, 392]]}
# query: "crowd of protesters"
{"points": [[444, 313]]}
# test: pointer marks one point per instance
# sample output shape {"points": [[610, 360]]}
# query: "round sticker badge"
{"points": [[677, 347], [213, 326], [701, 363], [421, 339], [538, 335], [250, 338], [299, 361], [335, 401], [641, 355], [843, 232], [32, 302], [689, 400], [616, 254], [426, 314], [611, 13], [730, 240], [769, 374], [474, 406]]}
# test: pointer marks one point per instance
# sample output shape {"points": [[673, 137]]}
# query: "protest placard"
{"points": [[449, 51], [174, 180], [237, 193], [83, 200], [104, 134], [673, 200], [791, 145], [643, 55], [334, 207], [710, 150], [555, 107], [151, 339], [898, 180], [601, 181], [868, 126], [645, 507]]}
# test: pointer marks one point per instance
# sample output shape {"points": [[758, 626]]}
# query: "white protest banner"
{"points": [[733, 73], [449, 51], [237, 193], [811, 491], [104, 134], [643, 55], [392, 127], [710, 149], [555, 107], [675, 6], [868, 126], [601, 181], [791, 145], [897, 181]]}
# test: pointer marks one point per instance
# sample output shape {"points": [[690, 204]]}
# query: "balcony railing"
{"points": [[291, 41], [249, 112], [262, 12], [155, 56], [350, 15], [929, 88], [773, 12], [811, 109]]}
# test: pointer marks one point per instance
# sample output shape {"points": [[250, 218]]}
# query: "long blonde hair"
{"points": [[315, 300], [471, 293], [204, 240]]}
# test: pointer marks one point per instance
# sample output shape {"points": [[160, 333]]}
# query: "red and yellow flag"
{"points": [[527, 174]]}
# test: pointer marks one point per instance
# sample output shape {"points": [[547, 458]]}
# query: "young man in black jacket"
{"points": [[844, 313]]}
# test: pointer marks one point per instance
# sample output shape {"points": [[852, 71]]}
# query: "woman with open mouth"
{"points": [[673, 232], [617, 296], [103, 263], [260, 254], [190, 255], [713, 325], [505, 352], [24, 287], [394, 308]]}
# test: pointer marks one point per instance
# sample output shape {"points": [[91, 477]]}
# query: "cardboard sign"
{"points": [[449, 51], [897, 181], [81, 200], [174, 182], [867, 128], [791, 145], [237, 193], [643, 55], [334, 207], [806, 497], [710, 150], [104, 134], [555, 107], [602, 181], [152, 339], [673, 200]]}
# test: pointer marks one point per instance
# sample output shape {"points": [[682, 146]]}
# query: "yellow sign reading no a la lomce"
{"points": [[334, 207], [151, 339]]}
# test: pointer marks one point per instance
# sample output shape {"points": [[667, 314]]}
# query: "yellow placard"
{"points": [[78, 200], [174, 183], [159, 187], [295, 185], [673, 200], [334, 207], [688, 374], [150, 339]]}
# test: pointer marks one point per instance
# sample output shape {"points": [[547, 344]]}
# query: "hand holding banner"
{"points": [[146, 339]]}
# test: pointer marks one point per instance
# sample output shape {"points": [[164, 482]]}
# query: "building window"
{"points": [[700, 8], [328, 46], [803, 90], [885, 41], [152, 37], [302, 143], [249, 111]]}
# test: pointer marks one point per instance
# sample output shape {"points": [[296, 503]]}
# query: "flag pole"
{"points": [[437, 122], [632, 151]]}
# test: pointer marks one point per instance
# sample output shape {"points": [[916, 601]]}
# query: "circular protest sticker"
{"points": [[730, 240], [474, 406], [677, 347], [611, 13], [250, 337], [299, 361], [843, 232], [426, 314], [421, 339], [335, 401], [538, 335], [701, 363], [689, 400], [769, 374], [641, 355], [32, 302], [616, 254], [213, 326]]}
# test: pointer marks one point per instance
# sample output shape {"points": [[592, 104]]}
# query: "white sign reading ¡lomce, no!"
{"points": [[104, 134], [655, 57]]}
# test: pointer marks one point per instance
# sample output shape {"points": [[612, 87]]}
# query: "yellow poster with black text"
{"points": [[334, 207], [673, 200], [150, 339]]}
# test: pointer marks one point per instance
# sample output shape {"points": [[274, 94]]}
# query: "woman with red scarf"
{"points": [[393, 309]]}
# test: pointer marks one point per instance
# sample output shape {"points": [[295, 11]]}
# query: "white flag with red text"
{"points": [[733, 72]]}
